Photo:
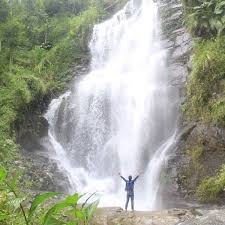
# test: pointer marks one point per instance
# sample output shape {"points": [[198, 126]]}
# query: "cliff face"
{"points": [[200, 151], [178, 44], [41, 171], [176, 40], [201, 146]]}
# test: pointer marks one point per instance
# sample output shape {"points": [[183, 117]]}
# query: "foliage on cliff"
{"points": [[205, 19], [206, 85], [39, 41], [205, 89], [211, 187]]}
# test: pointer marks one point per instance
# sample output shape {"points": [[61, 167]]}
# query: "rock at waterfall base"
{"points": [[116, 216]]}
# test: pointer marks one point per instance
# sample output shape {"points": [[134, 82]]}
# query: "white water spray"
{"points": [[122, 115]]}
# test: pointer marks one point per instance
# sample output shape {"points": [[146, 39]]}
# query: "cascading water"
{"points": [[122, 115]]}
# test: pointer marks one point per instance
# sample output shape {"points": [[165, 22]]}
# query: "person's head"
{"points": [[130, 177]]}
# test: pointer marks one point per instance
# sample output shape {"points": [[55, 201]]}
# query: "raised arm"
{"points": [[136, 178], [122, 177]]}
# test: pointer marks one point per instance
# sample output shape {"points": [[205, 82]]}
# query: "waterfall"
{"points": [[122, 116]]}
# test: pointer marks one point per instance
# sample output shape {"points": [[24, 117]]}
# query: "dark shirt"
{"points": [[129, 188]]}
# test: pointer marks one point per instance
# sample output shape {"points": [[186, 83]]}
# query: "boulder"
{"points": [[212, 217]]}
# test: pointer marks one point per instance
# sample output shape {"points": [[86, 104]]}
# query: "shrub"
{"points": [[28, 73], [211, 187], [206, 82], [16, 210], [195, 153], [205, 18]]}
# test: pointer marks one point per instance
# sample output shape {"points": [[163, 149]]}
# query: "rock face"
{"points": [[177, 42], [200, 153], [201, 148], [42, 172], [116, 216]]}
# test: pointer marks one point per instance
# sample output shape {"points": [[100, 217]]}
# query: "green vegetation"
{"points": [[20, 209], [191, 176], [205, 89], [211, 187], [205, 20], [40, 40], [206, 85], [195, 153]]}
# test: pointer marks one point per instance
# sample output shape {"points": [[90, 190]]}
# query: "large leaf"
{"points": [[54, 221], [73, 223], [221, 4], [70, 201], [80, 214], [221, 30], [223, 19], [213, 23], [218, 11], [91, 209], [3, 216], [83, 205], [39, 200], [15, 203], [52, 211], [219, 25], [3, 174], [73, 199]]}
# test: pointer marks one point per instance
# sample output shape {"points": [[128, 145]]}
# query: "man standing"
{"points": [[130, 190]]}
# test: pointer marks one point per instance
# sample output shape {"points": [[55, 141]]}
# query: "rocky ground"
{"points": [[116, 216]]}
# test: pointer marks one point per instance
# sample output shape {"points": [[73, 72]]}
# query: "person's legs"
{"points": [[126, 205], [132, 202]]}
